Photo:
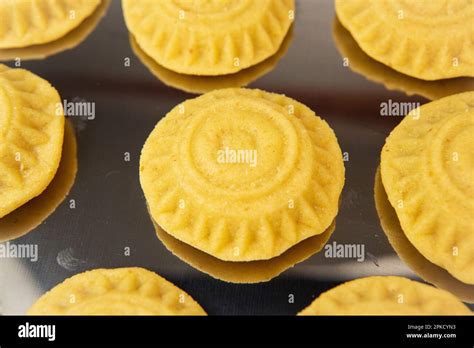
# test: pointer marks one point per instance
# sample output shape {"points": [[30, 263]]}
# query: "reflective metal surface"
{"points": [[105, 214]]}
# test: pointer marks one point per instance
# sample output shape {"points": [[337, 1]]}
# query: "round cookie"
{"points": [[359, 62], [31, 214], [203, 84], [69, 41], [427, 171], [31, 136], [385, 296], [244, 272], [426, 270], [209, 37], [32, 22], [426, 39], [121, 291], [242, 174]]}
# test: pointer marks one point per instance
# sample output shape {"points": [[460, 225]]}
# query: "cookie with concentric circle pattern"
{"points": [[427, 169], [242, 174]]}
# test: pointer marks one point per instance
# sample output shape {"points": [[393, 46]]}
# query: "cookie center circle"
{"points": [[207, 6], [239, 148], [453, 152]]}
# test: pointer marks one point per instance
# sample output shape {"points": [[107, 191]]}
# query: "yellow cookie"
{"points": [[32, 22], [426, 39], [121, 291], [30, 215], [427, 170], [359, 62], [426, 270], [386, 296], [31, 136], [66, 42], [203, 84], [242, 174], [208, 37]]}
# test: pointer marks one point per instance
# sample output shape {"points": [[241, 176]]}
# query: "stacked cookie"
{"points": [[427, 175], [243, 176], [36, 29], [32, 128], [207, 38], [420, 47]]}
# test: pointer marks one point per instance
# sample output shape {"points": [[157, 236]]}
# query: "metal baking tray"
{"points": [[105, 212]]}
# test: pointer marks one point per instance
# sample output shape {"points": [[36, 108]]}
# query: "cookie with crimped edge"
{"points": [[203, 84], [31, 136], [245, 272], [426, 39], [359, 62], [69, 41], [32, 22], [209, 37], [33, 213], [121, 291], [203, 187], [385, 295], [426, 270], [427, 171]]}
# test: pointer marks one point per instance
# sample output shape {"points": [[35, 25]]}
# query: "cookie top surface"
{"points": [[209, 37], [386, 296], [427, 169], [242, 174], [31, 136], [426, 39], [32, 22], [121, 291]]}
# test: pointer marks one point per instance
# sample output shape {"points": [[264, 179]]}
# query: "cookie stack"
{"points": [[32, 128], [421, 47], [427, 175], [36, 29], [207, 38], [243, 176]]}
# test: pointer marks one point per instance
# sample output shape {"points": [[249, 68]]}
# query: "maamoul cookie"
{"points": [[244, 272], [359, 62], [208, 37], [426, 270], [32, 22], [386, 296], [69, 41], [427, 171], [121, 291], [203, 84], [31, 214], [31, 136], [242, 174], [426, 39]]}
